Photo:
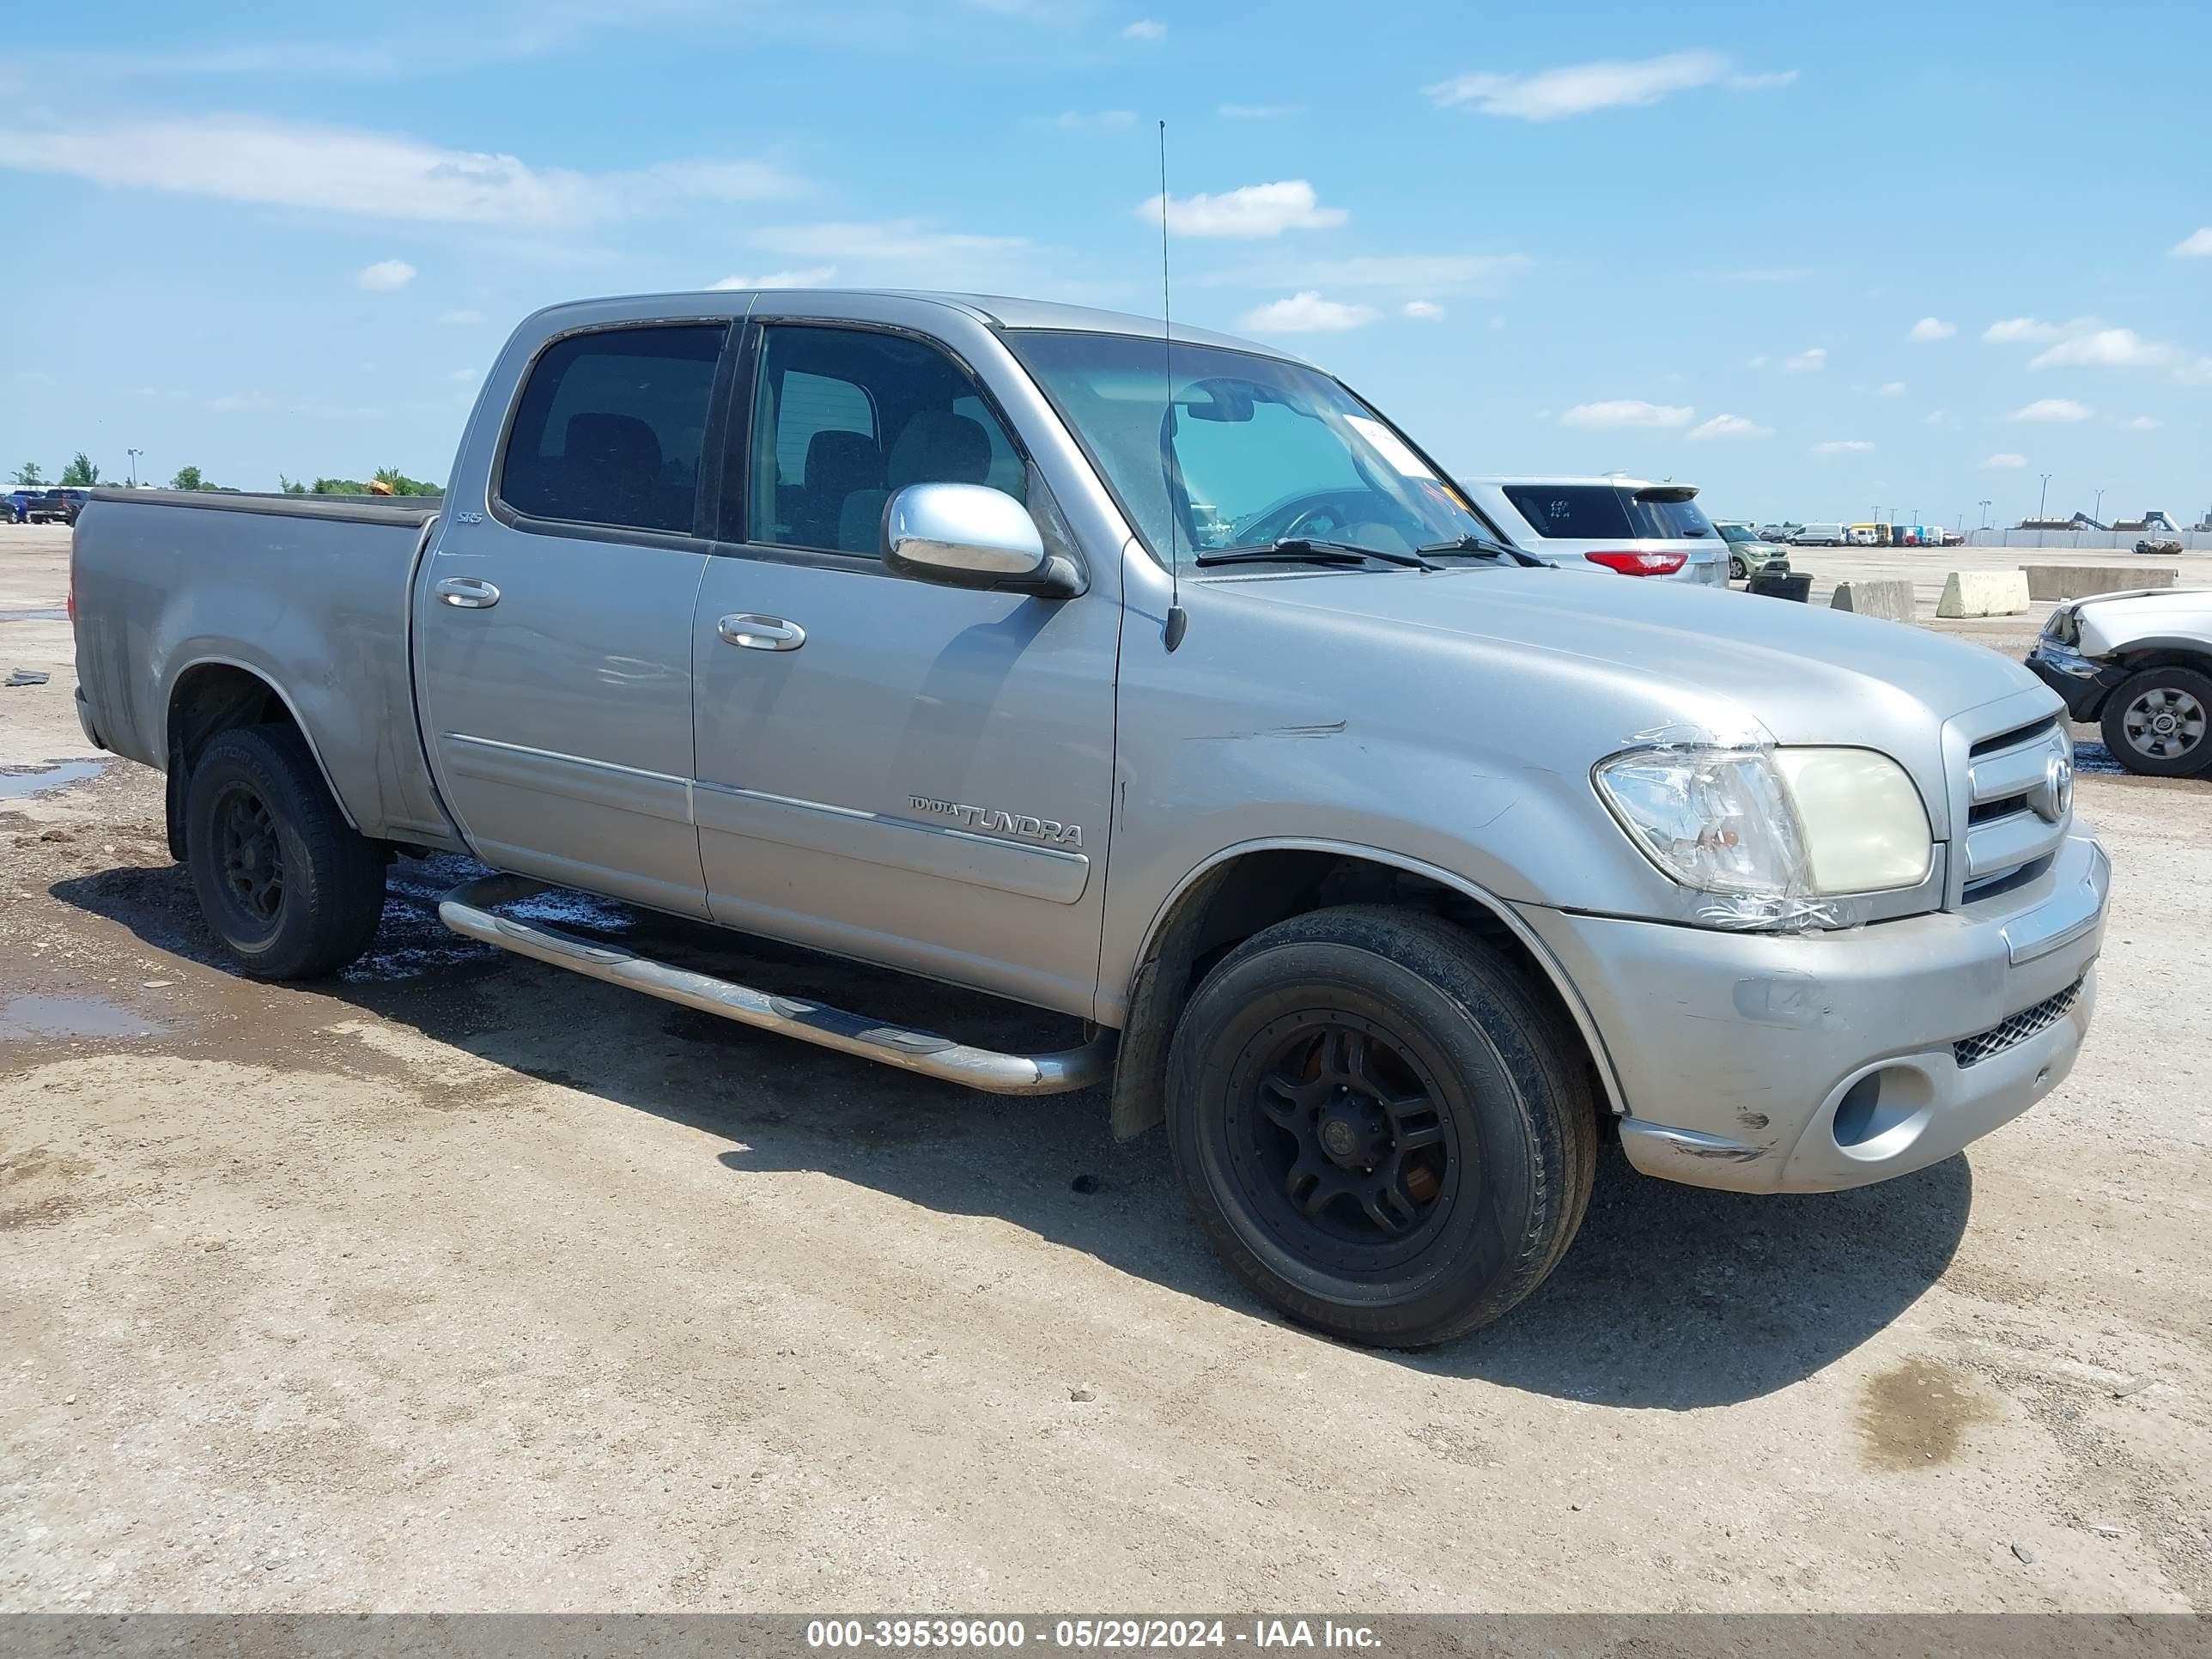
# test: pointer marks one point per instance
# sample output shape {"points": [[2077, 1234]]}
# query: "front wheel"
{"points": [[290, 889], [2155, 722], [1385, 1132]]}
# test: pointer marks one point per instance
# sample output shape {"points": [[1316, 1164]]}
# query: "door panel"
{"points": [[553, 631], [927, 783]]}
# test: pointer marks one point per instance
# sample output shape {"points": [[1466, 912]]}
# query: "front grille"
{"points": [[2012, 1032], [2006, 834]]}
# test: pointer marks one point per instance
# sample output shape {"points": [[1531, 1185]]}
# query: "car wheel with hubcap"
{"points": [[290, 890], [2157, 722], [1738, 570], [1384, 1128]]}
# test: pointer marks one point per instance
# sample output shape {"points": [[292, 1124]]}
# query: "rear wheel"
{"points": [[1738, 570], [1384, 1132], [290, 890], [2157, 722]]}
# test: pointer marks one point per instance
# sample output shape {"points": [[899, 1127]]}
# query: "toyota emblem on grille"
{"points": [[2055, 798]]}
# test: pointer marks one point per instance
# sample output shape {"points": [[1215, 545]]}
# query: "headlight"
{"points": [[1771, 827]]}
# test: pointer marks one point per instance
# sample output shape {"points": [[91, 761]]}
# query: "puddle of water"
{"points": [[57, 613], [30, 1016], [38, 780]]}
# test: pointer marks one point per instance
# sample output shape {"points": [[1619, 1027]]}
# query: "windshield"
{"points": [[1255, 451], [1738, 533]]}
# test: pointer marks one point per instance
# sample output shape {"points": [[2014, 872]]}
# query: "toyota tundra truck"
{"points": [[1157, 680]]}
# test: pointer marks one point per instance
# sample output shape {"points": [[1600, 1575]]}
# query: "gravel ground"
{"points": [[462, 1283]]}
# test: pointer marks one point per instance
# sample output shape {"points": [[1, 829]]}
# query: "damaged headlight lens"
{"points": [[1771, 824]]}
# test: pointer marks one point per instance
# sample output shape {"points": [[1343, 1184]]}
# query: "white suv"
{"points": [[1629, 525]]}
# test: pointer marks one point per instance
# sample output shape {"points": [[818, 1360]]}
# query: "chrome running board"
{"points": [[469, 910]]}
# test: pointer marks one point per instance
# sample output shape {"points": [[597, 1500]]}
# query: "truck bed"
{"points": [[312, 594]]}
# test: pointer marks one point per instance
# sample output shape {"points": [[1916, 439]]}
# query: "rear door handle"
{"points": [[761, 633], [467, 592]]}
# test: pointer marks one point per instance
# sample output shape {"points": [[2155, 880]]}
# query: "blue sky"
{"points": [[1761, 248]]}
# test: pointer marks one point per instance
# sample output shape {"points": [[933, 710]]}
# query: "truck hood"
{"points": [[2173, 618], [1604, 660]]}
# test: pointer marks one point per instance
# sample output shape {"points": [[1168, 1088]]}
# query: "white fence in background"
{"points": [[2192, 541]]}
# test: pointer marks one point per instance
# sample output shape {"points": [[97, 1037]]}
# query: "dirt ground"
{"points": [[464, 1283]]}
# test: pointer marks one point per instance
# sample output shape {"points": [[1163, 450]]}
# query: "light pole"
{"points": [[1986, 514], [2040, 501], [134, 454], [2098, 512]]}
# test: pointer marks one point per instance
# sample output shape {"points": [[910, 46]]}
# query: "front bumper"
{"points": [[2083, 682], [1761, 1062]]}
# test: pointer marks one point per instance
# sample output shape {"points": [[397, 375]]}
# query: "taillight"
{"points": [[1640, 564]]}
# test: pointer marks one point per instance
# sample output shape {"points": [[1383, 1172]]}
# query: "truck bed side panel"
{"points": [[312, 597]]}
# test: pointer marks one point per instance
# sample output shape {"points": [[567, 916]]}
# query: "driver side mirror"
{"points": [[963, 535]]}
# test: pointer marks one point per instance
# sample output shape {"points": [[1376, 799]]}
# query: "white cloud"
{"points": [[1843, 446], [386, 276], [1756, 362], [465, 374], [373, 174], [460, 319], [1306, 312], [2046, 411], [1730, 426], [1249, 213], [2142, 423], [1891, 389], [2005, 461], [1813, 357], [1579, 89], [804, 276], [1095, 120], [1259, 111], [1145, 28], [1941, 418], [1931, 328], [906, 252], [2197, 245], [2014, 330], [1628, 411], [2105, 348], [1423, 311]]}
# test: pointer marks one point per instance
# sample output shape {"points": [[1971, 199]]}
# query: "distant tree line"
{"points": [[82, 472]]}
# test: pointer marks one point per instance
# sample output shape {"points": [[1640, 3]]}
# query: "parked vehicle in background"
{"points": [[18, 504], [1779, 534], [2139, 664], [1866, 535], [847, 619], [2169, 545], [62, 506], [1630, 525], [1954, 538], [1748, 552], [1818, 535]]}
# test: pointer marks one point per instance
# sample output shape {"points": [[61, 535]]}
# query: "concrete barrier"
{"points": [[1984, 593], [2074, 581], [1891, 598]]}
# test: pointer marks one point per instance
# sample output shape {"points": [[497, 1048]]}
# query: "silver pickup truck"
{"points": [[1161, 683]]}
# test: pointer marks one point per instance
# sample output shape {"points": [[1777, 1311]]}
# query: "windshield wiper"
{"points": [[1485, 546], [1303, 549]]}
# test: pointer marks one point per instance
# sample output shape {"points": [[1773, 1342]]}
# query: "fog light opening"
{"points": [[1882, 1113]]}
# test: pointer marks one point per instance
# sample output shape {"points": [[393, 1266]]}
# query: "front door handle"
{"points": [[761, 633], [467, 592]]}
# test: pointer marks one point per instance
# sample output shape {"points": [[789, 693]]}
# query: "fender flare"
{"points": [[307, 736], [1577, 1009]]}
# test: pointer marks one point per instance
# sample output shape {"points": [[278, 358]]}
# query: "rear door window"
{"points": [[1578, 512], [610, 426]]}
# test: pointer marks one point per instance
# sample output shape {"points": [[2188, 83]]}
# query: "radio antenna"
{"points": [[1178, 618]]}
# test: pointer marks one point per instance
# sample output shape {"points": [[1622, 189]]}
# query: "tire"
{"points": [[1738, 570], [2159, 722], [289, 890], [1395, 1225]]}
